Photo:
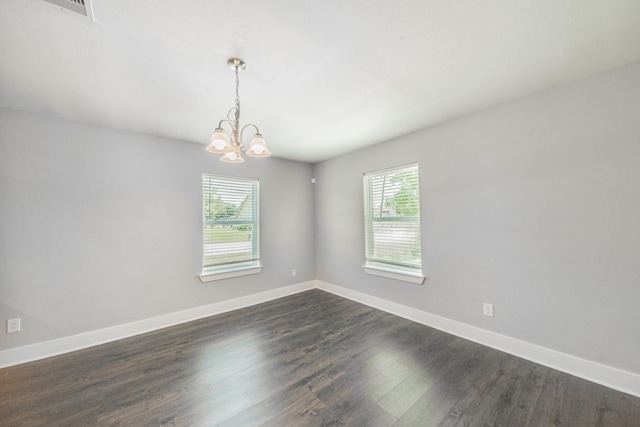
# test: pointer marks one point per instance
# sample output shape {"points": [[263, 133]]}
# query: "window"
{"points": [[230, 227], [392, 223]]}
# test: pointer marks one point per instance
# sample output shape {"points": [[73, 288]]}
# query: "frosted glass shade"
{"points": [[219, 142], [258, 147], [232, 157]]}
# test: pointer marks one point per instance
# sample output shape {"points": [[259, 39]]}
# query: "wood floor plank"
{"points": [[310, 359], [432, 407], [406, 394]]}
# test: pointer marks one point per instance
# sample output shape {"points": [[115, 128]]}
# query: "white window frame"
{"points": [[374, 205], [235, 268]]}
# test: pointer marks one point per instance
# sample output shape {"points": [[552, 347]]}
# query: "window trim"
{"points": [[221, 275], [404, 276], [382, 268], [241, 268]]}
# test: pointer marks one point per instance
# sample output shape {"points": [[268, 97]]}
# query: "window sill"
{"points": [[221, 275], [405, 276]]}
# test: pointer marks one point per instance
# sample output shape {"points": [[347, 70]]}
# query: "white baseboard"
{"points": [[16, 356], [614, 378]]}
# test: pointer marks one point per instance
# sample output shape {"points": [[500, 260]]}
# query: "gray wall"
{"points": [[100, 227], [532, 205]]}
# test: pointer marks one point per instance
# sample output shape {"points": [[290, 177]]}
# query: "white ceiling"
{"points": [[323, 77]]}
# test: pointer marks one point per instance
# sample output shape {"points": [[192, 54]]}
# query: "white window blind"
{"points": [[392, 219], [230, 224]]}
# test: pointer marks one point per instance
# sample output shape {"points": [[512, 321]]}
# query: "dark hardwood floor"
{"points": [[311, 359]]}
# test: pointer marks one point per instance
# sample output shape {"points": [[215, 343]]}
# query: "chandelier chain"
{"points": [[237, 94]]}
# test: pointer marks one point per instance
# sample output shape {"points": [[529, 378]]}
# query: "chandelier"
{"points": [[231, 149]]}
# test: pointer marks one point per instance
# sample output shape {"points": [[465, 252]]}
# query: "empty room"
{"points": [[337, 213]]}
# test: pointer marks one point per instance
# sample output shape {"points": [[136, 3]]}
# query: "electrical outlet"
{"points": [[293, 273], [487, 309], [13, 325]]}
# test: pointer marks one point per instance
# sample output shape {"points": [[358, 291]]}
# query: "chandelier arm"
{"points": [[227, 121], [246, 126]]}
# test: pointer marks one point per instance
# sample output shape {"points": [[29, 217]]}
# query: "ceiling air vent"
{"points": [[83, 7]]}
